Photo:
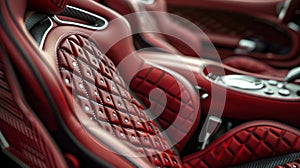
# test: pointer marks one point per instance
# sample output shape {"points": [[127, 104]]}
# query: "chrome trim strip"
{"points": [[147, 1], [294, 27], [41, 45], [93, 27], [247, 44], [284, 9], [4, 144]]}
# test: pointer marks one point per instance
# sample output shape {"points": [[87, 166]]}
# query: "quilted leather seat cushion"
{"points": [[97, 87], [251, 141], [175, 109]]}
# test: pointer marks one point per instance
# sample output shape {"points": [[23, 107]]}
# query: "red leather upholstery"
{"points": [[220, 28], [254, 66], [25, 135], [180, 104], [163, 39], [226, 22], [248, 142], [49, 6], [230, 26], [101, 93], [80, 97]]}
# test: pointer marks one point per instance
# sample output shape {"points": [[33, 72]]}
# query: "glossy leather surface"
{"points": [[223, 31], [81, 97], [22, 130], [101, 93], [248, 142], [227, 22]]}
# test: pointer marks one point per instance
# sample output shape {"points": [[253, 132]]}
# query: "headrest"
{"points": [[48, 6]]}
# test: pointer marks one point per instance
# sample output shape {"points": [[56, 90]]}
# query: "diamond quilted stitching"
{"points": [[249, 144], [93, 80]]}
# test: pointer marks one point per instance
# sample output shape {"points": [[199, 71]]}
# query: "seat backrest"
{"points": [[76, 89], [154, 26]]}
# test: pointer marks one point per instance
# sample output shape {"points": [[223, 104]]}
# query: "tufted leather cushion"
{"points": [[94, 81], [179, 105], [245, 143]]}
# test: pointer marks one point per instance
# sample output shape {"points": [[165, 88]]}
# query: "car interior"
{"points": [[150, 83]]}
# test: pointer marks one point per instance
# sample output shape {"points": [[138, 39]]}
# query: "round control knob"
{"points": [[284, 92], [269, 91], [280, 85], [273, 82], [243, 82]]}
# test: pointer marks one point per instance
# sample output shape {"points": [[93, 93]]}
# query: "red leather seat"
{"points": [[190, 41], [64, 102]]}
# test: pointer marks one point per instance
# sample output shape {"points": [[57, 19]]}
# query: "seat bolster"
{"points": [[48, 6], [171, 99]]}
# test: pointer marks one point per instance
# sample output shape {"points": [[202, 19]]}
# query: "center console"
{"points": [[236, 94], [256, 86]]}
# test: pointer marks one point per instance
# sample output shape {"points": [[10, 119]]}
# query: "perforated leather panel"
{"points": [[97, 87], [26, 139], [244, 145]]}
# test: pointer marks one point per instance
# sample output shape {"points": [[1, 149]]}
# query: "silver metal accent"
{"points": [[273, 82], [211, 126], [284, 9], [4, 144], [294, 26], [243, 82], [281, 85], [245, 46], [284, 92], [204, 96], [269, 91], [83, 14], [248, 44], [147, 1], [259, 87], [45, 34], [86, 108]]}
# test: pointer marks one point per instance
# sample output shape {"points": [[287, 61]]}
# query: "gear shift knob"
{"points": [[292, 75]]}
